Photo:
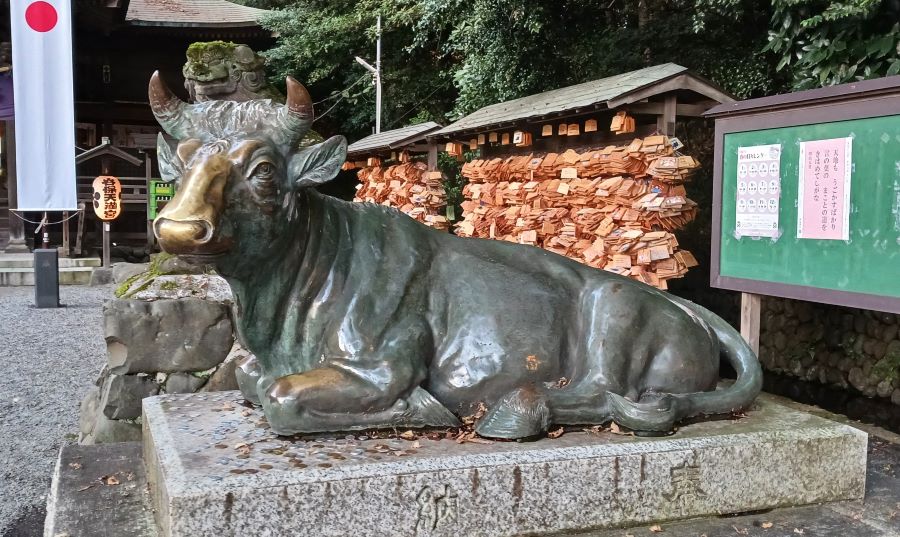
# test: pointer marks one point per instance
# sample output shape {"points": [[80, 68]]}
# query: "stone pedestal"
{"points": [[216, 469]]}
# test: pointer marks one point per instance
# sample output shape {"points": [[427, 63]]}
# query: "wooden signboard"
{"points": [[806, 195]]}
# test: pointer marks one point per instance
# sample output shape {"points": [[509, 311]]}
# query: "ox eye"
{"points": [[263, 170]]}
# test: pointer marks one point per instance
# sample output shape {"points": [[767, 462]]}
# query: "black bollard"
{"points": [[46, 278]]}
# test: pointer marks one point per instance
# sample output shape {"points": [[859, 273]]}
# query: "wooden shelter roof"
{"points": [[392, 139], [191, 13], [828, 94], [605, 93]]}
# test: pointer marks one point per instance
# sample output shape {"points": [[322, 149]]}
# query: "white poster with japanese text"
{"points": [[758, 191], [823, 195]]}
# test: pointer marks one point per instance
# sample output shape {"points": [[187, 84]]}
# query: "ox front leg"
{"points": [[362, 392]]}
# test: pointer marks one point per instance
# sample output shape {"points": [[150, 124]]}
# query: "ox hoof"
{"points": [[247, 373], [520, 414]]}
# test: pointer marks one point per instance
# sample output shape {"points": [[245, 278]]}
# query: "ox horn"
{"points": [[297, 114], [168, 109]]}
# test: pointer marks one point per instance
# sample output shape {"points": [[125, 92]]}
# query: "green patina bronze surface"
{"points": [[360, 317]]}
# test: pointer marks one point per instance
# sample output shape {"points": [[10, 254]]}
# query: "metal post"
{"points": [[106, 244], [378, 78], [45, 229]]}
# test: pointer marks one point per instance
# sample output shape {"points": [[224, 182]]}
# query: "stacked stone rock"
{"points": [[409, 187], [613, 208], [173, 334], [843, 347]]}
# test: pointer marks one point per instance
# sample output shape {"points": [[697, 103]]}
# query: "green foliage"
{"points": [[505, 49], [824, 42], [453, 182], [317, 43], [141, 281], [888, 368], [446, 58]]}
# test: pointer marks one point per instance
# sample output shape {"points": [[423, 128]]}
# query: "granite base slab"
{"points": [[215, 469]]}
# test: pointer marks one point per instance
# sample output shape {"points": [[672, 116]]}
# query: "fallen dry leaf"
{"points": [[767, 525], [596, 429], [75, 465], [480, 411], [470, 436], [416, 445], [408, 435], [110, 480], [615, 429], [246, 412], [556, 434], [562, 382], [740, 531], [656, 528]]}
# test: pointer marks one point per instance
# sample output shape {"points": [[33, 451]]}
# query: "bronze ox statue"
{"points": [[360, 317]]}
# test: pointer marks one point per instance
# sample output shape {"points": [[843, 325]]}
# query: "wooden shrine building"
{"points": [[391, 171], [653, 97], [386, 145], [117, 46], [592, 171]]}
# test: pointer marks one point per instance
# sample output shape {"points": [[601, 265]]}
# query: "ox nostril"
{"points": [[183, 231]]}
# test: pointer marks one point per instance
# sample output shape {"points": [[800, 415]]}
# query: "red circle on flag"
{"points": [[41, 16]]}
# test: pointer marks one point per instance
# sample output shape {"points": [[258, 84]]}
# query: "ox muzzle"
{"points": [[187, 225]]}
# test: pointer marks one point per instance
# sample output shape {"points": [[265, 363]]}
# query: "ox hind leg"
{"points": [[636, 348], [601, 361]]}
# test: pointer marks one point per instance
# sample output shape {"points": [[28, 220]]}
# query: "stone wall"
{"points": [[173, 334], [844, 347]]}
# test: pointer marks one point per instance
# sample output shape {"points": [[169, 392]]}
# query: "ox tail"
{"points": [[660, 414]]}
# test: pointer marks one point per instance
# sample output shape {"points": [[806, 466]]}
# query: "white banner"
{"points": [[44, 104]]}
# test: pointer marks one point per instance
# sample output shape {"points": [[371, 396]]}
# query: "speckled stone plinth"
{"points": [[215, 469]]}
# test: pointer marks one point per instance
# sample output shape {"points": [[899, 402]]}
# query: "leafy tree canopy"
{"points": [[446, 58]]}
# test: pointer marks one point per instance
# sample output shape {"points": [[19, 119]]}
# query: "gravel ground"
{"points": [[50, 357]]}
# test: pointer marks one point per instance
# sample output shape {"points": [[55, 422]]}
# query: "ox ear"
{"points": [[319, 163], [170, 167]]}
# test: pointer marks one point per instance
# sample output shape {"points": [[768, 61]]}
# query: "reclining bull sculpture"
{"points": [[360, 317]]}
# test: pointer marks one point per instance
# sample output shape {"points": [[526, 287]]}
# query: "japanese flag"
{"points": [[44, 104]]}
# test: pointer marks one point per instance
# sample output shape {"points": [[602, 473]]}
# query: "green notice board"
{"points": [[861, 270]]}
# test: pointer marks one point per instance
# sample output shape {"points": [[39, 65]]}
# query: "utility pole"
{"points": [[378, 78], [376, 73]]}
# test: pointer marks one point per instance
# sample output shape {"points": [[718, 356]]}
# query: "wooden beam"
{"points": [[751, 306], [666, 122], [680, 82], [432, 156], [681, 109]]}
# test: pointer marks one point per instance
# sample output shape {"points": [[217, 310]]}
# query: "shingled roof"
{"points": [[609, 92], [191, 13], [393, 139]]}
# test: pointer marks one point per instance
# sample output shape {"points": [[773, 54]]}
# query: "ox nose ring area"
{"points": [[182, 232]]}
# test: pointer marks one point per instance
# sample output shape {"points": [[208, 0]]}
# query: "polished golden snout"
{"points": [[187, 224]]}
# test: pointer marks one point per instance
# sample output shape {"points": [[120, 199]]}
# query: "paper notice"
{"points": [[758, 191], [823, 194]]}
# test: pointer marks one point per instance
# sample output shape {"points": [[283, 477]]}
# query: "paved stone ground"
{"points": [[49, 358]]}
